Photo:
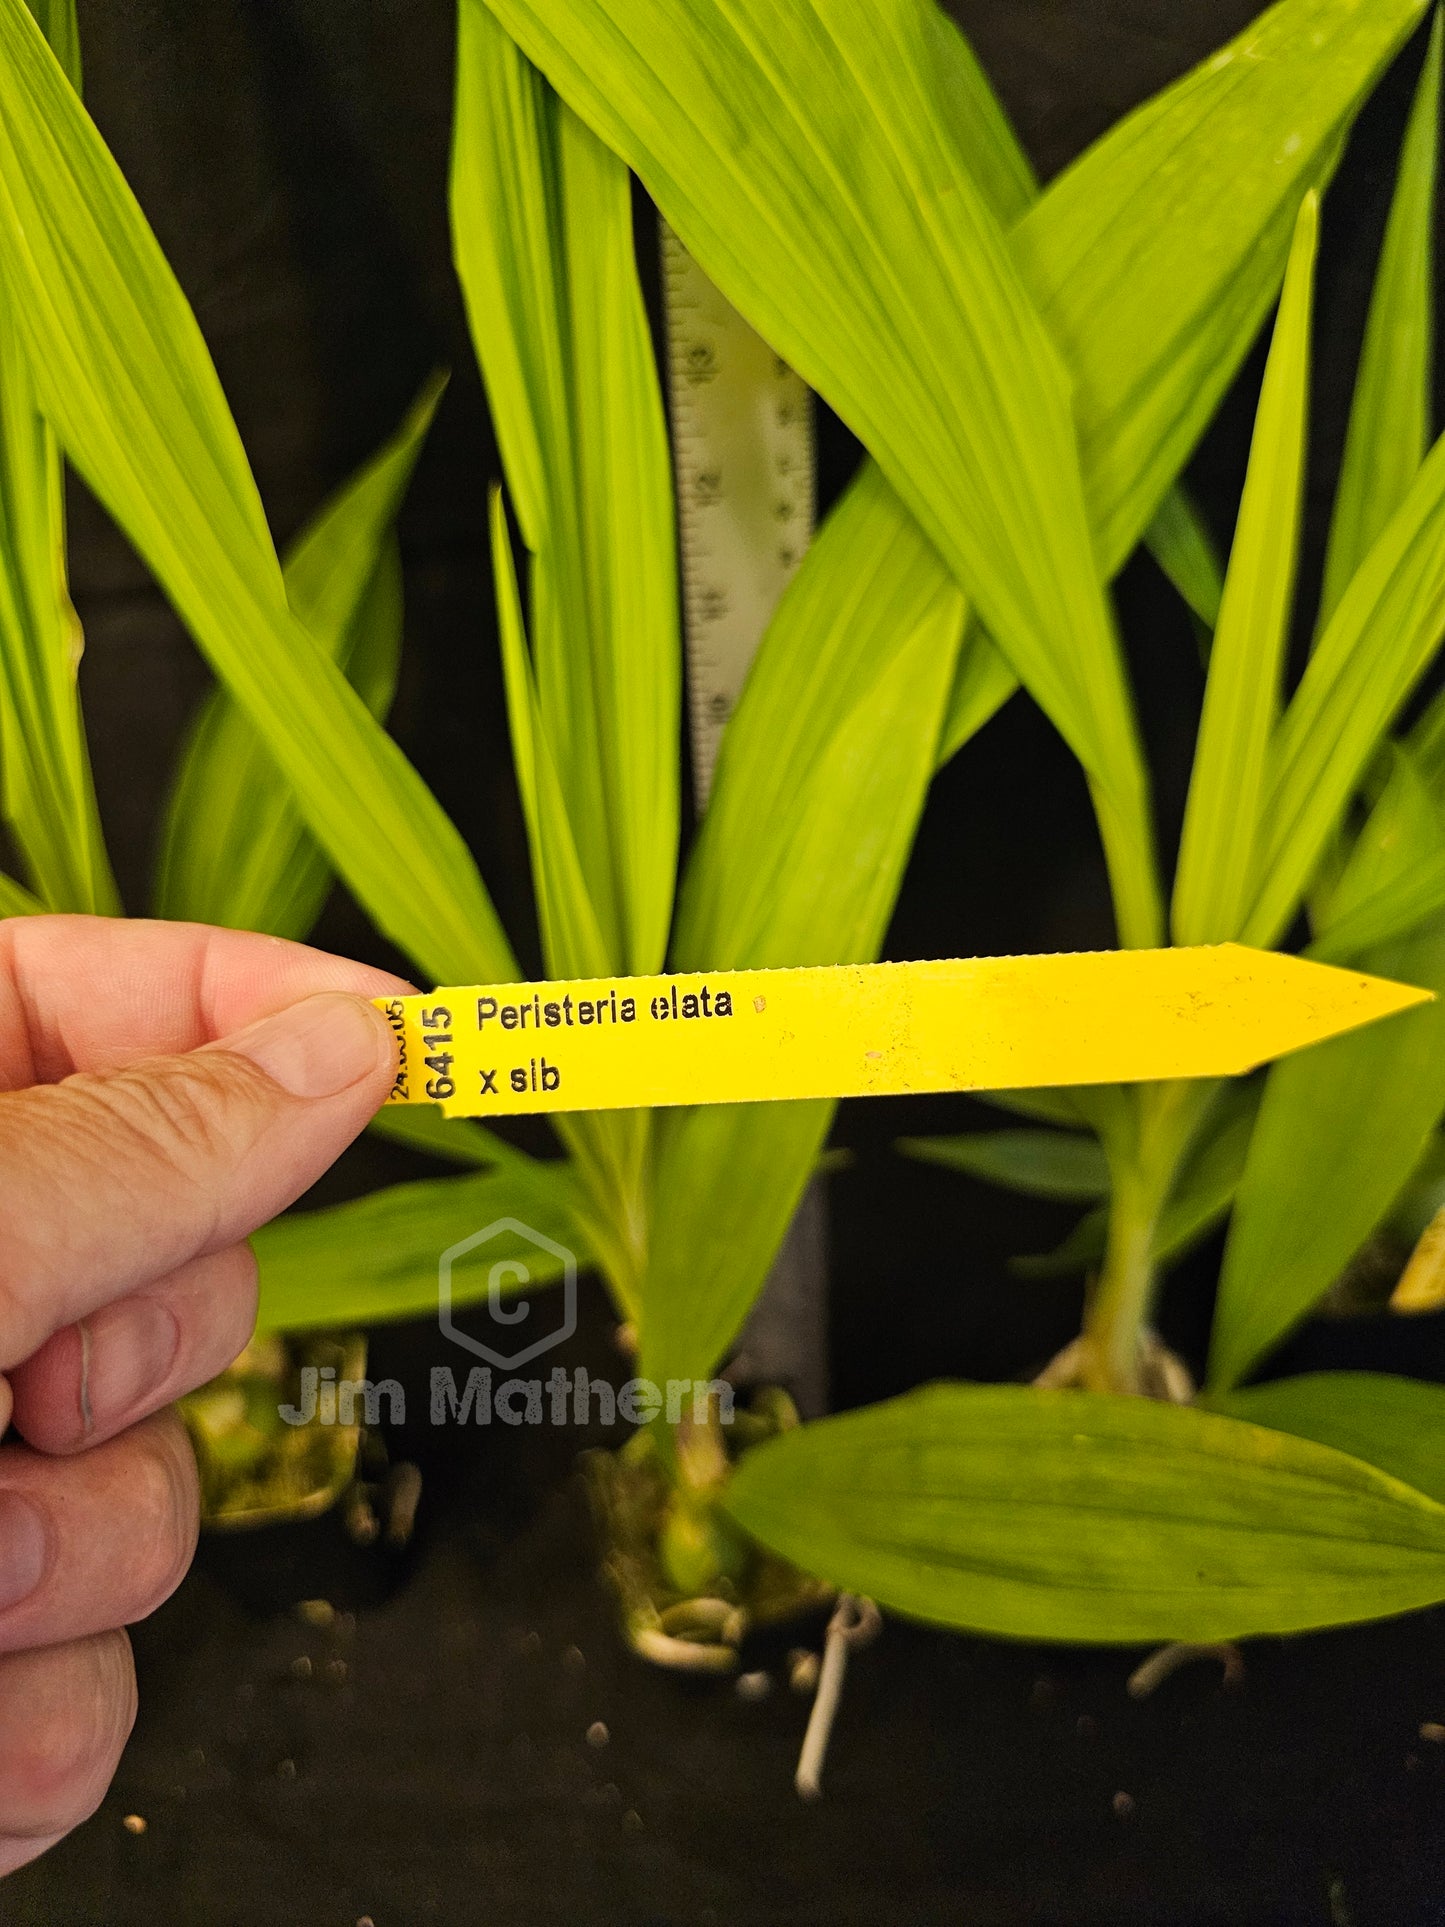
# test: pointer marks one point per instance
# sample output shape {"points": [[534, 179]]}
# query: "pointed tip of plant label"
{"points": [[1307, 1002]]}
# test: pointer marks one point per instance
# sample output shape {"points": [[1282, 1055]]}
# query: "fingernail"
{"points": [[320, 1047], [24, 1547], [127, 1351]]}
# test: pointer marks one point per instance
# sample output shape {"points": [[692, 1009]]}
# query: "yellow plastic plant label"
{"points": [[871, 1030]]}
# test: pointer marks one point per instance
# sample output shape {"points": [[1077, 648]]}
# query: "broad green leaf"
{"points": [[1202, 183], [376, 1259], [45, 778], [820, 780], [1340, 1129], [1397, 1424], [1042, 1164], [1393, 404], [1246, 663], [776, 875], [611, 1146], [1069, 1516], [892, 292], [1006, 179], [236, 851], [1377, 645], [1184, 549], [57, 21], [1393, 877], [566, 911], [542, 225], [124, 377]]}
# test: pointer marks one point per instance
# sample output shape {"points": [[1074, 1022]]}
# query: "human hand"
{"points": [[164, 1089]]}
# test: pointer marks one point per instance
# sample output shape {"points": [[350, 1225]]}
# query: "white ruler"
{"points": [[742, 434], [742, 450]]}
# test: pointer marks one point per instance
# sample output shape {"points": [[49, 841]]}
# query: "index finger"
{"points": [[95, 993]]}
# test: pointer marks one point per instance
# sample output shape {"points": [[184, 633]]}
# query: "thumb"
{"points": [[112, 1180]]}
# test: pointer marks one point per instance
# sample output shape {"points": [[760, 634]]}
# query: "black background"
{"points": [[292, 157]]}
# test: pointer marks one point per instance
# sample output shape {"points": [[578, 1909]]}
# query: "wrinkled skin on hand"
{"points": [[164, 1090]]}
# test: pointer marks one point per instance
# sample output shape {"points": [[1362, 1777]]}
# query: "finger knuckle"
{"points": [[178, 1113]]}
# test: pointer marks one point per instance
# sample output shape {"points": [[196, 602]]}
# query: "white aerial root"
{"points": [[1159, 1665], [855, 1622]]}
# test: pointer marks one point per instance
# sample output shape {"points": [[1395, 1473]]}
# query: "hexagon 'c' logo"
{"points": [[506, 1272]]}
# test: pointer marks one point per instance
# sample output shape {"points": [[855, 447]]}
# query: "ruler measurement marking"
{"points": [[743, 455]]}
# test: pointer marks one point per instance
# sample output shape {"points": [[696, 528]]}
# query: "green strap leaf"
{"points": [[1061, 1515], [376, 1259], [1393, 876], [893, 293], [610, 1146], [1341, 1128], [1246, 663], [122, 373], [1207, 177], [235, 849], [820, 780], [1397, 1424], [48, 793], [1041, 1164], [1379, 642], [1393, 404], [542, 224], [57, 21]]}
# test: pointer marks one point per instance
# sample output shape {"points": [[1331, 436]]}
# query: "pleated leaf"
{"points": [[611, 1146], [892, 292], [1393, 403], [1376, 646], [1397, 1424], [1066, 1516], [124, 377], [542, 224], [820, 780], [1215, 207], [235, 850], [1246, 663], [376, 1259], [1341, 1128], [45, 779], [1041, 1164], [1392, 878]]}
